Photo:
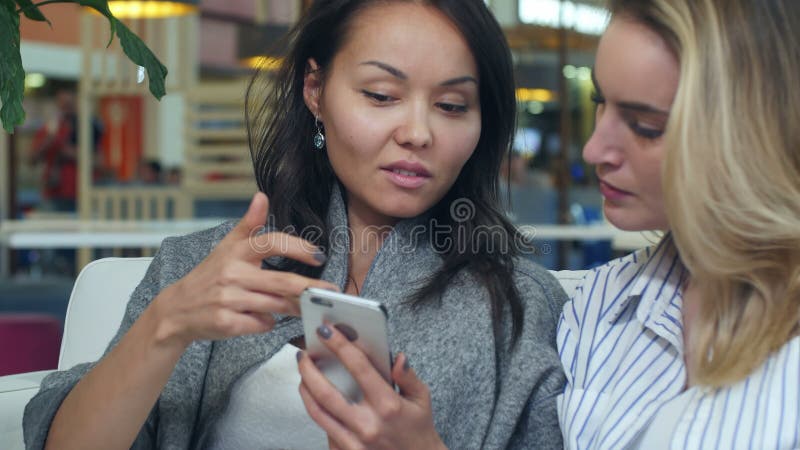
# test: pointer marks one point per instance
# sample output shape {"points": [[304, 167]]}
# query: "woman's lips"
{"points": [[612, 193], [407, 174], [406, 179]]}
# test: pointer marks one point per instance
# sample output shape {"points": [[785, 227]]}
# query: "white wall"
{"points": [[51, 60], [170, 141]]}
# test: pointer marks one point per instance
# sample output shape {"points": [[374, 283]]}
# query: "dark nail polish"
{"points": [[406, 365], [347, 331], [299, 355], [320, 257], [324, 332]]}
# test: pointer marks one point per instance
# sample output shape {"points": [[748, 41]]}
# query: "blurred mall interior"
{"points": [[147, 169]]}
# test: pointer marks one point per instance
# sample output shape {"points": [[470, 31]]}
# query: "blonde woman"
{"points": [[693, 344]]}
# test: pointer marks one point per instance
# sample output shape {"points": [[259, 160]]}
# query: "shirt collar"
{"points": [[657, 286]]}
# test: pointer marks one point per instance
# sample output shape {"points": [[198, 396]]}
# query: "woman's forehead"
{"points": [[635, 64], [409, 33]]}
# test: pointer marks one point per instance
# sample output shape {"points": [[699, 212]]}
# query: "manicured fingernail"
{"points": [[320, 256], [324, 332], [347, 331], [299, 355], [406, 365]]}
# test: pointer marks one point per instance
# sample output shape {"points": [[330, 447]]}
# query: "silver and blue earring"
{"points": [[319, 138]]}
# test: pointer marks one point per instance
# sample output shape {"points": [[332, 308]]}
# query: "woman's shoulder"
{"points": [[538, 286], [528, 273]]}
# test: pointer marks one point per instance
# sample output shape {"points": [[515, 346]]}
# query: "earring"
{"points": [[319, 138]]}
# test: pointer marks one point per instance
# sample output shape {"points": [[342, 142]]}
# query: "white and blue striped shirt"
{"points": [[620, 340]]}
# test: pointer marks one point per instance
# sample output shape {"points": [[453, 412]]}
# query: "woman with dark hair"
{"points": [[379, 146]]}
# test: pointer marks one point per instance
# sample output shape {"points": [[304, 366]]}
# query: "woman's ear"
{"points": [[312, 87]]}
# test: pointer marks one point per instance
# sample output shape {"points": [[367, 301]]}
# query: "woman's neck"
{"points": [[368, 231]]}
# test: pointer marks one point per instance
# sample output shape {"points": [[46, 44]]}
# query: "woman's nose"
{"points": [[415, 130], [604, 146]]}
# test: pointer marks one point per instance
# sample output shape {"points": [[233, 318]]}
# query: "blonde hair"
{"points": [[732, 173]]}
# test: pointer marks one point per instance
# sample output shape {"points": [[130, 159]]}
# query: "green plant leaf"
{"points": [[141, 55], [12, 75], [31, 11], [101, 6], [134, 48]]}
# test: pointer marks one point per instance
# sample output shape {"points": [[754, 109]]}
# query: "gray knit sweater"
{"points": [[481, 398]]}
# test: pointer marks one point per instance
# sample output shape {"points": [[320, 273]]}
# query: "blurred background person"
{"points": [[55, 146], [173, 176], [149, 172]]}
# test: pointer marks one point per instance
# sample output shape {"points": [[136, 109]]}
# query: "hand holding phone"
{"points": [[362, 321], [401, 416]]}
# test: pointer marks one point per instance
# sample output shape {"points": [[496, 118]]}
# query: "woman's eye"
{"points": [[380, 98], [646, 132], [452, 108], [597, 99], [644, 127]]}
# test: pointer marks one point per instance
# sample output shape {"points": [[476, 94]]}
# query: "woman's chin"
{"points": [[402, 213], [402, 207], [628, 219]]}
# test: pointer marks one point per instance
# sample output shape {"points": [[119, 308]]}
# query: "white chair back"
{"points": [[96, 307]]}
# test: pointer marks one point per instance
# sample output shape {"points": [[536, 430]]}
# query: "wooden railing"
{"points": [[139, 203]]}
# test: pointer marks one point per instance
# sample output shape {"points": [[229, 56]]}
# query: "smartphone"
{"points": [[362, 321]]}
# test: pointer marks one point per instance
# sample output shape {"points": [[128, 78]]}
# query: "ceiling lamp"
{"points": [[535, 95], [151, 9]]}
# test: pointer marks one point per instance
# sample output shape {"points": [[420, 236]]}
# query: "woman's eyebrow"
{"points": [[460, 80], [399, 74], [395, 72]]}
